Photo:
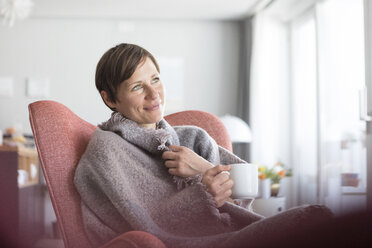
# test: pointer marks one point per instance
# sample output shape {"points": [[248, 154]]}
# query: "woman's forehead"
{"points": [[143, 71]]}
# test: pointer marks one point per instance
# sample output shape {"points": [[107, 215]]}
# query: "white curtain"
{"points": [[341, 76], [269, 92]]}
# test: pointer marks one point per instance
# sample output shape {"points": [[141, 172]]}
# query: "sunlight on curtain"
{"points": [[329, 154], [341, 76], [317, 61], [304, 109], [269, 92], [269, 95]]}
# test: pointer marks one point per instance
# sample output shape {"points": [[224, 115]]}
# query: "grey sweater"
{"points": [[125, 186]]}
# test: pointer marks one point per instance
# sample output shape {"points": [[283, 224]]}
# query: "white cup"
{"points": [[245, 177]]}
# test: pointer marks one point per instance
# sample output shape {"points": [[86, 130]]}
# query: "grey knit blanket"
{"points": [[125, 186]]}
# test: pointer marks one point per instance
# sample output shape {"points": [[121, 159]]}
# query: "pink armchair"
{"points": [[61, 138]]}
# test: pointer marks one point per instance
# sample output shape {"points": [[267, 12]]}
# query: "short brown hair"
{"points": [[117, 65]]}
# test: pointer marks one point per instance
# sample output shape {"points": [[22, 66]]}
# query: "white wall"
{"points": [[67, 50]]}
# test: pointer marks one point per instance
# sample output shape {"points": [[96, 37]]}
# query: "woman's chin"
{"points": [[156, 118], [159, 115], [152, 116]]}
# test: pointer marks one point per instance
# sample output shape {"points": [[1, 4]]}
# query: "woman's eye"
{"points": [[137, 87], [155, 80]]}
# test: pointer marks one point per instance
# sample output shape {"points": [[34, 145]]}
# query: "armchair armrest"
{"points": [[135, 239]]}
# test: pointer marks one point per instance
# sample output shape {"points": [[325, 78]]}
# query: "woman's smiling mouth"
{"points": [[153, 107]]}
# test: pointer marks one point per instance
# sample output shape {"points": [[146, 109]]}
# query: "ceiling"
{"points": [[148, 9]]}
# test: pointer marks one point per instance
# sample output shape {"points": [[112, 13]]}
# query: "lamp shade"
{"points": [[238, 129], [10, 10]]}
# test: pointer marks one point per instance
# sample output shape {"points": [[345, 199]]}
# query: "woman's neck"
{"points": [[151, 125]]}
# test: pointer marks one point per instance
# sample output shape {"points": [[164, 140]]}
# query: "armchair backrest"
{"points": [[61, 138]]}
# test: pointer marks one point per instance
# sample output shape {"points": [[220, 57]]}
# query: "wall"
{"points": [[66, 52]]}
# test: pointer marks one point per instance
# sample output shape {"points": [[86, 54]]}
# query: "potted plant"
{"points": [[275, 174]]}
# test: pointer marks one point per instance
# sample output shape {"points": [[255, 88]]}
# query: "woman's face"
{"points": [[141, 97]]}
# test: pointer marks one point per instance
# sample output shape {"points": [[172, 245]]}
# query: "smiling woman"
{"points": [[140, 173], [134, 88], [141, 97]]}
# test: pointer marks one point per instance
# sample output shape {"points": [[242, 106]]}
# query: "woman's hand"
{"points": [[218, 184], [182, 161]]}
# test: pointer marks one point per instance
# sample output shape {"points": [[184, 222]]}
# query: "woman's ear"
{"points": [[106, 99]]}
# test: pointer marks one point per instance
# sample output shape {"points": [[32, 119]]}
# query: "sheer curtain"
{"points": [[304, 81], [304, 108], [341, 76], [327, 71], [269, 91], [263, 90]]}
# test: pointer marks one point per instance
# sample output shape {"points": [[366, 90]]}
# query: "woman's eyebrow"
{"points": [[136, 82], [140, 81]]}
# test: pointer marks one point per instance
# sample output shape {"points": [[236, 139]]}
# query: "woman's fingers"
{"points": [[175, 148], [218, 183], [218, 187], [170, 164], [222, 198], [210, 175], [188, 162], [173, 171], [221, 178], [214, 171], [228, 184], [224, 193], [169, 155], [176, 171]]}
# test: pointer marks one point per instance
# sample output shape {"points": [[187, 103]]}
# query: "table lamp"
{"points": [[238, 129]]}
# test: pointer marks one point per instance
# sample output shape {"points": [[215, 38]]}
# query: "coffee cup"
{"points": [[245, 177]]}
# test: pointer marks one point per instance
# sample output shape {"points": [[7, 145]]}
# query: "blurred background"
{"points": [[296, 72]]}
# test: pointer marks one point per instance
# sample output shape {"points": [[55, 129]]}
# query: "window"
{"points": [[327, 48], [311, 123]]}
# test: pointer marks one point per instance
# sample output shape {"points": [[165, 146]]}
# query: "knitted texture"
{"points": [[124, 186]]}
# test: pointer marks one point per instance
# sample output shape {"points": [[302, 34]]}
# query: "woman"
{"points": [[139, 173]]}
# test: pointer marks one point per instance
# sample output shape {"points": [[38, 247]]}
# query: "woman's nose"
{"points": [[152, 93]]}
